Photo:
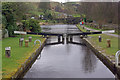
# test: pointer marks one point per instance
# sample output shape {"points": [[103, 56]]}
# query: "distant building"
{"points": [[32, 17]]}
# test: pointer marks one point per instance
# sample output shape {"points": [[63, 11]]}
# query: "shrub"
{"points": [[32, 25]]}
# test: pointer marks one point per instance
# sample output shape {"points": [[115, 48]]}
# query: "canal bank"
{"points": [[105, 58], [21, 70]]}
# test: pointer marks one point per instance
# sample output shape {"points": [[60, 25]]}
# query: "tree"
{"points": [[34, 25], [13, 12]]}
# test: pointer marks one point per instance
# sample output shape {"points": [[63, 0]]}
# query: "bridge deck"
{"points": [[60, 34], [84, 33], [49, 34]]}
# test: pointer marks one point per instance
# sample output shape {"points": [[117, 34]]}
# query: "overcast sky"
{"points": [[86, 0], [60, 0], [66, 0]]}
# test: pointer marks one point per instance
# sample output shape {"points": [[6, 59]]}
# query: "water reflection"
{"points": [[60, 29], [89, 61], [76, 41]]}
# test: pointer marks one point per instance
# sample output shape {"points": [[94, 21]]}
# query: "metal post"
{"points": [[100, 39], [7, 51], [26, 43], [30, 39], [36, 41], [108, 43], [117, 58], [21, 41]]}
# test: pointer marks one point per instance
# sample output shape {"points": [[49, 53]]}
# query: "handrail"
{"points": [[36, 41], [117, 57]]}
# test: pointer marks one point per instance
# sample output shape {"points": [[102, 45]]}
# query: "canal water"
{"points": [[67, 60]]}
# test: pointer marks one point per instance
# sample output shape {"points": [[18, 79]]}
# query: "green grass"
{"points": [[36, 13], [93, 28], [76, 15], [83, 30], [0, 59], [44, 21], [102, 46], [18, 54]]}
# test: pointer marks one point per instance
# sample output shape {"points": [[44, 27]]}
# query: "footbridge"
{"points": [[69, 36]]}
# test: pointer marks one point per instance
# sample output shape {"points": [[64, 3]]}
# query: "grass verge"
{"points": [[18, 54], [102, 46], [81, 29], [93, 28]]}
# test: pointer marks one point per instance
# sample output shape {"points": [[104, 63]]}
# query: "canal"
{"points": [[67, 60]]}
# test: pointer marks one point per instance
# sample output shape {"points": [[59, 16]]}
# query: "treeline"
{"points": [[101, 12], [25, 16], [16, 13]]}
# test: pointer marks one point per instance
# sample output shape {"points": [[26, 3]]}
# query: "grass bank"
{"points": [[81, 28], [93, 28], [102, 46], [18, 54]]}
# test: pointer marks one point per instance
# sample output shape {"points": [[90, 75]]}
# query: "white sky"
{"points": [[65, 0], [86, 0]]}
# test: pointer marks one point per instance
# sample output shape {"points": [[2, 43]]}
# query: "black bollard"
{"points": [[30, 39], [21, 41], [108, 43], [83, 27], [7, 52], [100, 39]]}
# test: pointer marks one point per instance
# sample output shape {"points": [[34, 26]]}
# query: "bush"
{"points": [[25, 24], [32, 25], [11, 29]]}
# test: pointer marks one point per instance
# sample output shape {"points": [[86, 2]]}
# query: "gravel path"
{"points": [[115, 35]]}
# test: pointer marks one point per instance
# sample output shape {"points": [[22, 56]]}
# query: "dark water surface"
{"points": [[67, 60]]}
